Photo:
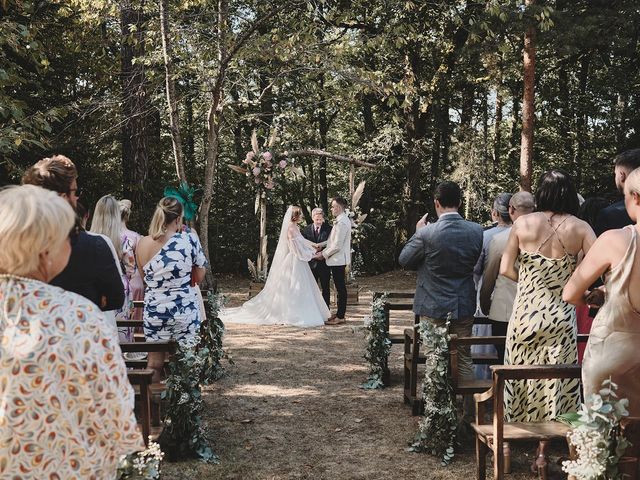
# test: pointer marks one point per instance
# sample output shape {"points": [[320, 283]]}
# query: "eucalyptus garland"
{"points": [[378, 344], [211, 333], [183, 435], [438, 427]]}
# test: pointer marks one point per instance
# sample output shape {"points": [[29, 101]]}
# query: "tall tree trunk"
{"points": [[581, 120], [172, 103], [497, 132], [135, 107], [528, 108], [190, 143]]}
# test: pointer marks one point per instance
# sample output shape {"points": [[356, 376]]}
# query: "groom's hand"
{"points": [[318, 256]]}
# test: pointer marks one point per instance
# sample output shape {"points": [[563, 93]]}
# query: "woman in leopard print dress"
{"points": [[542, 329]]}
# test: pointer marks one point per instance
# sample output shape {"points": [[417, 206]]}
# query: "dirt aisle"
{"points": [[291, 408]]}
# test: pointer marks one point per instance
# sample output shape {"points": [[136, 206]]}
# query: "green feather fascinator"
{"points": [[184, 193]]}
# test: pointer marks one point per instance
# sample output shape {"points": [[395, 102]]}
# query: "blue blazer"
{"points": [[444, 253]]}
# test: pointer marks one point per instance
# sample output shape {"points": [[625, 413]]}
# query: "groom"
{"points": [[318, 232], [338, 255]]}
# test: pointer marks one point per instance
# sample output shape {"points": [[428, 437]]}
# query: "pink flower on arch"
{"points": [[267, 156], [256, 171], [282, 164], [257, 180], [269, 185]]}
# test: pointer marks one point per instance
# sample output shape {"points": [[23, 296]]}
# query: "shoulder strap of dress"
{"points": [[554, 231]]}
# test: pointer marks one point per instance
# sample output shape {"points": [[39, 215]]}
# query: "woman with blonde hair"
{"points": [[290, 295], [107, 223], [67, 403], [612, 350], [171, 262]]}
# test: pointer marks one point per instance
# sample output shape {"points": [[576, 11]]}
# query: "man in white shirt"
{"points": [[337, 254]]}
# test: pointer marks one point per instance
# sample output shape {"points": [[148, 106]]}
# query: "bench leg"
{"points": [[145, 411], [498, 461], [481, 459]]}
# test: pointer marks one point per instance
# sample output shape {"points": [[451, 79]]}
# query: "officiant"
{"points": [[318, 233]]}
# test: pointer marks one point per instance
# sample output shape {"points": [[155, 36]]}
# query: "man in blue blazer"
{"points": [[444, 253]]}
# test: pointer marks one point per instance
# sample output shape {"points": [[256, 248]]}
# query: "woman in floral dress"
{"points": [[171, 262]]}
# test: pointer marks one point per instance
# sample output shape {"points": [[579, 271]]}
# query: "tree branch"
{"points": [[325, 154]]}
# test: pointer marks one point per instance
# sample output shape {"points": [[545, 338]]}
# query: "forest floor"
{"points": [[291, 407]]}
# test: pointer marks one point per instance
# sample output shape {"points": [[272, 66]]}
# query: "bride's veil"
{"points": [[283, 247]]}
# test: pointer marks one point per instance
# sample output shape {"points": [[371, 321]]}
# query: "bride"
{"points": [[290, 295]]}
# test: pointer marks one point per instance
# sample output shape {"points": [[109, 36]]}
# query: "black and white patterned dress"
{"points": [[542, 331]]}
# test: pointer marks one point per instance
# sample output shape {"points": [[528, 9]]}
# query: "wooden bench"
{"points": [[148, 394], [490, 437], [413, 358]]}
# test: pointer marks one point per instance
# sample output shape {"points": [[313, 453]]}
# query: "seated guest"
{"points": [[497, 293], [92, 270], [542, 329], [612, 350], [615, 215], [67, 406], [445, 253], [171, 262]]}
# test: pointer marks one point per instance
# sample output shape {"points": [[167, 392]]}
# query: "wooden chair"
{"points": [[147, 393], [142, 380], [413, 358], [491, 437]]}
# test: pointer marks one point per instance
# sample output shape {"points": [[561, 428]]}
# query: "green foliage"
{"points": [[378, 344], [438, 427], [369, 79], [183, 435], [143, 465], [211, 333]]}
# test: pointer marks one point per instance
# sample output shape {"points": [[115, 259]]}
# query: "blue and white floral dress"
{"points": [[171, 306]]}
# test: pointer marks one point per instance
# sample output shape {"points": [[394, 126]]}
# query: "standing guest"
{"points": [[68, 413], [445, 254], [542, 329], [589, 211], [502, 222], [612, 350], [337, 254], [92, 270], [134, 288], [615, 215], [107, 222], [171, 262], [497, 292], [83, 215], [318, 232]]}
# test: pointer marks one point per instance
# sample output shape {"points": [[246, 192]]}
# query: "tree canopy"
{"points": [[422, 90]]}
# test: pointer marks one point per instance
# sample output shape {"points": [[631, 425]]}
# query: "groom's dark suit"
{"points": [[319, 267]]}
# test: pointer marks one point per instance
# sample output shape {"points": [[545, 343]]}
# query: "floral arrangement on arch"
{"points": [[597, 438], [261, 168]]}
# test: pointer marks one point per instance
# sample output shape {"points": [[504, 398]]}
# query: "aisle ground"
{"points": [[290, 407]]}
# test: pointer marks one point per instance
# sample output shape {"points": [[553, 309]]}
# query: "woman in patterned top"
{"points": [[542, 329], [66, 404], [134, 288], [171, 262]]}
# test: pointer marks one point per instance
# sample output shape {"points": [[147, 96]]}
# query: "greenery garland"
{"points": [[143, 465], [183, 435], [210, 348], [378, 344], [437, 431]]}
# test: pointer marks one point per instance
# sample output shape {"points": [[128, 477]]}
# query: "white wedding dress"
{"points": [[290, 295]]}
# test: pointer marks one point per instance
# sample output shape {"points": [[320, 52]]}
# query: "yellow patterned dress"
{"points": [[66, 406], [542, 331]]}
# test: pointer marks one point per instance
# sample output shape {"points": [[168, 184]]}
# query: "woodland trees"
{"points": [[422, 90]]}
